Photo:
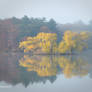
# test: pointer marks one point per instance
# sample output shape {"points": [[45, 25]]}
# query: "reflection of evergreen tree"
{"points": [[27, 78], [90, 73]]}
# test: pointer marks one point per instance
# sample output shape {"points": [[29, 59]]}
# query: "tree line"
{"points": [[14, 30]]}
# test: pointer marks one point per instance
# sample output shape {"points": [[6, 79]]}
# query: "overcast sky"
{"points": [[62, 11]]}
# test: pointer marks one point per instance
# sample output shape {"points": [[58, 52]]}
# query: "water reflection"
{"points": [[53, 65], [16, 68]]}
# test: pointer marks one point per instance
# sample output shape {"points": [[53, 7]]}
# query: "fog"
{"points": [[63, 11]]}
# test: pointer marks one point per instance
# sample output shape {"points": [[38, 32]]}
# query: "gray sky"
{"points": [[62, 11]]}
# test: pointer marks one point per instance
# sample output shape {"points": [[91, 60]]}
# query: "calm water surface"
{"points": [[25, 73]]}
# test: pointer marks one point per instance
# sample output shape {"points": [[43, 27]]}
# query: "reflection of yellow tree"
{"points": [[50, 66], [43, 66], [76, 67]]}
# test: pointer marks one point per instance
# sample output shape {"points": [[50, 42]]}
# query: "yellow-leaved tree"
{"points": [[73, 41], [30, 44], [42, 43], [47, 43]]}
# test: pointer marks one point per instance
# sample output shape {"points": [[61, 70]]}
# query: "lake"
{"points": [[43, 73]]}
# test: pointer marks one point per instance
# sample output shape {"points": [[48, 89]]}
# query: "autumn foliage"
{"points": [[47, 43]]}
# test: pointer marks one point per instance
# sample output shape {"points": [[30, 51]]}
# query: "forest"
{"points": [[15, 31]]}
